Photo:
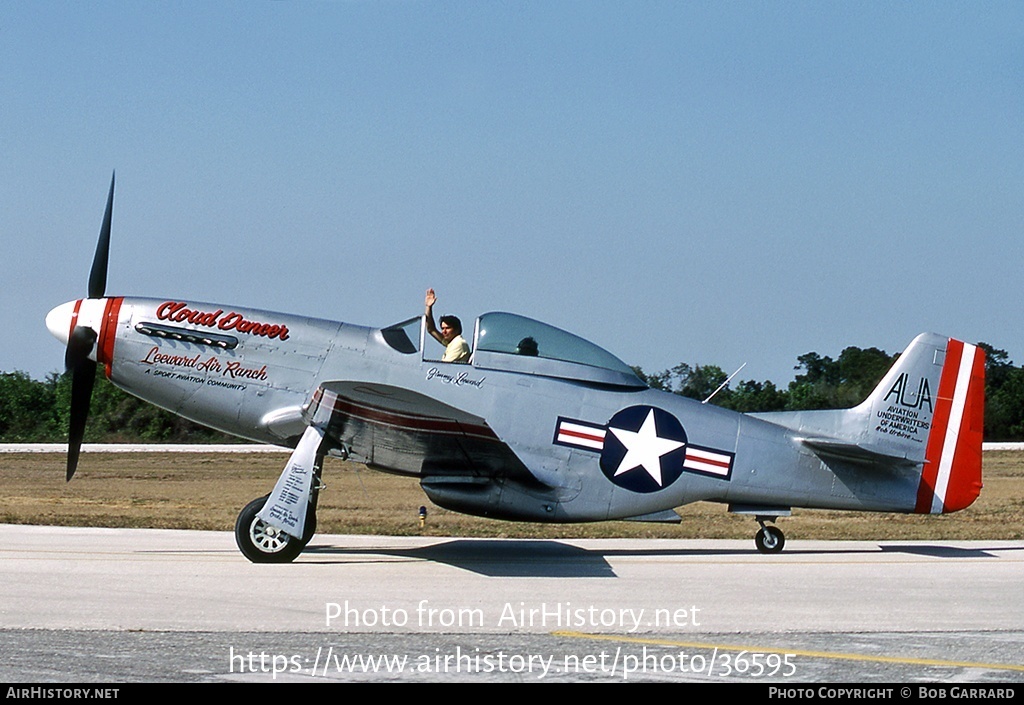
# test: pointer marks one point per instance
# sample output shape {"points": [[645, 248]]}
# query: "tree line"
{"points": [[33, 411]]}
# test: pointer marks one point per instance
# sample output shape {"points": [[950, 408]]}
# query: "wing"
{"points": [[398, 430]]}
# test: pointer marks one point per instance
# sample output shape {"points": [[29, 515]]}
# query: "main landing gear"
{"points": [[262, 543]]}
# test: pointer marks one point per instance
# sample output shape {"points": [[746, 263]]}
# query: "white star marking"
{"points": [[644, 448]]}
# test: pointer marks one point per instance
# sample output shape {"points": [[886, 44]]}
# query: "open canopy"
{"points": [[514, 343]]}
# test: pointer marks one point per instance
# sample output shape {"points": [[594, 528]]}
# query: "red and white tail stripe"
{"points": [[951, 478]]}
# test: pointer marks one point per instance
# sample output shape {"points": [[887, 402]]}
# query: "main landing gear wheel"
{"points": [[769, 539], [262, 543]]}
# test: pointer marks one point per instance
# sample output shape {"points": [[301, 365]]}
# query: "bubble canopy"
{"points": [[507, 341]]}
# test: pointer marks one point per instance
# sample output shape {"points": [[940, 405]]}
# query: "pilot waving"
{"points": [[456, 348]]}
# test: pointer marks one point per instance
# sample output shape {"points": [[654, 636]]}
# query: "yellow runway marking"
{"points": [[796, 652]]}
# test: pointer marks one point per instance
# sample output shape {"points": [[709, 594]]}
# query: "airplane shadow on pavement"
{"points": [[555, 559]]}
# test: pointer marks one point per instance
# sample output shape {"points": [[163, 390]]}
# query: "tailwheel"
{"points": [[262, 543], [769, 539]]}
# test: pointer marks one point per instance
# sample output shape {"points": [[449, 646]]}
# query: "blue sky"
{"points": [[711, 183]]}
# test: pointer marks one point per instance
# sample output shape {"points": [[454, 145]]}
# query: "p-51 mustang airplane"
{"points": [[559, 431]]}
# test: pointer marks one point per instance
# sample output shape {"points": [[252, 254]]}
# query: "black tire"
{"points": [[261, 543], [770, 539]]}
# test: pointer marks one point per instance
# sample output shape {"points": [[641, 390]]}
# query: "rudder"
{"points": [[951, 477]]}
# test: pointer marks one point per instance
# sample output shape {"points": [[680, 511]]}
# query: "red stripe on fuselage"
{"points": [[403, 420]]}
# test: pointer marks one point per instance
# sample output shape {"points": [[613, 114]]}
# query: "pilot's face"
{"points": [[447, 332]]}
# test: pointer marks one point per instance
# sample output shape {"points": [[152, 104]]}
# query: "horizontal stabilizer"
{"points": [[852, 452]]}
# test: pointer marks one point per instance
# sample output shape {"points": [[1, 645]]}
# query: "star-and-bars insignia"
{"points": [[643, 448]]}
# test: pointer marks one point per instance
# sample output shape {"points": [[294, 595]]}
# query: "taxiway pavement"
{"points": [[121, 605]]}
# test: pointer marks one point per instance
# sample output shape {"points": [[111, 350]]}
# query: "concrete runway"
{"points": [[117, 605]]}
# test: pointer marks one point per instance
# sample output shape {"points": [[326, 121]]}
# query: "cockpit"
{"points": [[514, 343]]}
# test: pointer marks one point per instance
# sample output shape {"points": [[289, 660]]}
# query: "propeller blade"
{"points": [[81, 342], [98, 275], [83, 376], [82, 380], [79, 346]]}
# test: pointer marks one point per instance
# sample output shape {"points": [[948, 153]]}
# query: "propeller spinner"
{"points": [[76, 324]]}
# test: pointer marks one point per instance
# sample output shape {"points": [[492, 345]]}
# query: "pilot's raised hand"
{"points": [[430, 300]]}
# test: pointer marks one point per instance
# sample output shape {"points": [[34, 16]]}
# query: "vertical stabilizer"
{"points": [[928, 411], [930, 408]]}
